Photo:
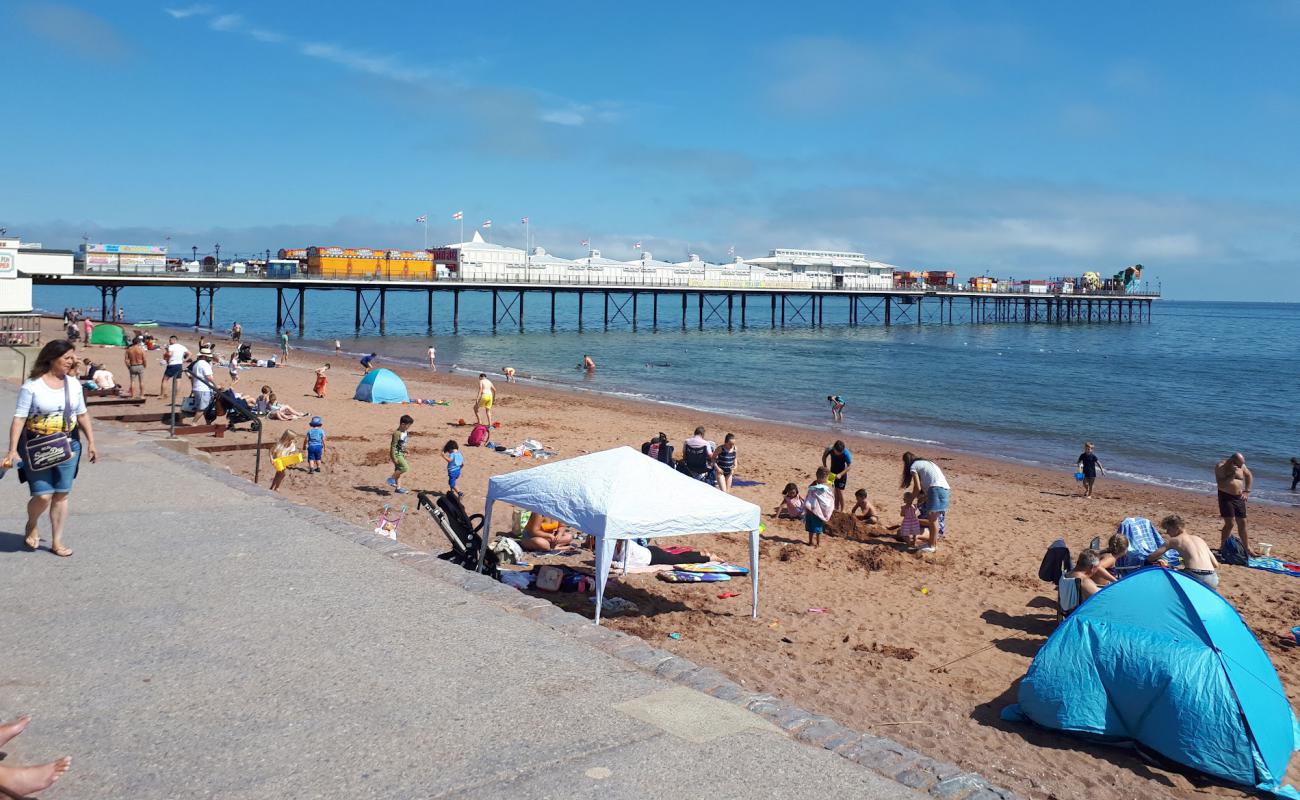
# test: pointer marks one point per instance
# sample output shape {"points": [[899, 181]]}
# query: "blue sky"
{"points": [[1020, 139]]}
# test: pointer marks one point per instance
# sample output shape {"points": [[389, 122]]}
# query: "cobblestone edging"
{"points": [[942, 780]]}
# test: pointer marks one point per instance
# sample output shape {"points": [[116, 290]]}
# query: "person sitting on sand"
{"points": [[321, 381], [26, 781], [281, 411], [1081, 582], [818, 506], [791, 505], [1116, 548], [1199, 562], [863, 509], [542, 534]]}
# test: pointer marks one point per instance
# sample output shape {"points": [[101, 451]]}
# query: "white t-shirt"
{"points": [[201, 369], [176, 354], [43, 406], [637, 556], [930, 475]]}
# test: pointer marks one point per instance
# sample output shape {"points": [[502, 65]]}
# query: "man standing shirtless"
{"points": [[486, 395], [1234, 480]]}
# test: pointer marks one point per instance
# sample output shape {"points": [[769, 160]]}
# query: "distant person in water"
{"points": [[284, 347], [236, 332], [587, 363], [837, 407], [433, 356], [1295, 473], [338, 347], [509, 372], [368, 361], [1088, 464]]}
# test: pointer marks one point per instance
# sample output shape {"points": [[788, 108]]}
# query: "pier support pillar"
{"points": [[889, 302], [552, 308], [654, 309], [302, 310], [683, 309], [455, 308], [521, 309], [429, 310], [634, 310], [494, 308], [730, 299], [383, 302], [821, 310], [782, 310], [918, 311], [580, 299], [356, 295], [742, 309], [773, 310], [606, 309], [699, 304]]}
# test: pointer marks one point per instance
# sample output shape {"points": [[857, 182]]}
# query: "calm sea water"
{"points": [[1162, 401]]}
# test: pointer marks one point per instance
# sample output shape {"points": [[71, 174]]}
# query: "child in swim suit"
{"points": [[724, 462], [911, 527], [791, 505]]}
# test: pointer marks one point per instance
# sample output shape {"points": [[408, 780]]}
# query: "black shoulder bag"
{"points": [[51, 449]]}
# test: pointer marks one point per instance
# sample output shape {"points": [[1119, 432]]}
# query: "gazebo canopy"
{"points": [[622, 494]]}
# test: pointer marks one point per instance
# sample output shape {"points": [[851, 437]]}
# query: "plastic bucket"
{"points": [[1295, 634]]}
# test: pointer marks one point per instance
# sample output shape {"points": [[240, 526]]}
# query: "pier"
{"points": [[628, 303]]}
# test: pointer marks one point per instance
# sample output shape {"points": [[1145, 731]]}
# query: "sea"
{"points": [[1161, 400]]}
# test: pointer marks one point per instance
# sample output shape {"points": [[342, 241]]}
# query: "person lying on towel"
{"points": [[642, 556]]}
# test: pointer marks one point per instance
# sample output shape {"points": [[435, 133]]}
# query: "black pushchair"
{"points": [[227, 403], [245, 354], [462, 530]]}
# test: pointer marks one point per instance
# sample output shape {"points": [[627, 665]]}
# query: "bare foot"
{"points": [[11, 729], [24, 781]]}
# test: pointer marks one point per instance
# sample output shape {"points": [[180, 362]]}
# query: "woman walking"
{"points": [[923, 477], [45, 435]]}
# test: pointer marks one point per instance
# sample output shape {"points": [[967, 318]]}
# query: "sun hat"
{"points": [[316, 422]]}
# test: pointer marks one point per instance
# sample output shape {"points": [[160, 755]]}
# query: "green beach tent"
{"points": [[110, 335]]}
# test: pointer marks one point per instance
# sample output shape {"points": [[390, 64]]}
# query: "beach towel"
{"points": [[1056, 562], [742, 482], [1277, 565], [1143, 540], [682, 576], [713, 567]]}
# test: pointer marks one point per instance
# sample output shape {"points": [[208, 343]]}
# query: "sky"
{"points": [[1017, 139]]}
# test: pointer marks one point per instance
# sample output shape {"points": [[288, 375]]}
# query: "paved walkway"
{"points": [[211, 640]]}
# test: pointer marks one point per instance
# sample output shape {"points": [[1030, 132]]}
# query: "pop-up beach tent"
{"points": [[108, 334], [1161, 660], [621, 494], [381, 386]]}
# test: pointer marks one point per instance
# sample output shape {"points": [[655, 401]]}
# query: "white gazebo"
{"points": [[622, 494]]}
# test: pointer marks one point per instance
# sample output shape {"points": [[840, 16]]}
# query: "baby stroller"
{"points": [[228, 403], [245, 354], [462, 530]]}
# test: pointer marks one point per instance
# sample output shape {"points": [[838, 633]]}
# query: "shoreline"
{"points": [[942, 640]]}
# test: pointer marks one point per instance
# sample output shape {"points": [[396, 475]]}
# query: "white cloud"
{"points": [[227, 22], [562, 117], [189, 11], [379, 66]]}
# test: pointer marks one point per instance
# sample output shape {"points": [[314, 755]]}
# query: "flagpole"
{"points": [[426, 231]]}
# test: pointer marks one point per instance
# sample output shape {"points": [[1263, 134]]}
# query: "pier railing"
{"points": [[597, 279]]}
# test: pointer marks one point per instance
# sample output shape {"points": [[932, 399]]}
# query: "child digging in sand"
{"points": [[818, 505], [397, 453], [791, 505], [863, 509], [455, 462], [286, 446]]}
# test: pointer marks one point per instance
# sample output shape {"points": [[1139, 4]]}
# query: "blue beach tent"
{"points": [[381, 386], [1161, 660]]}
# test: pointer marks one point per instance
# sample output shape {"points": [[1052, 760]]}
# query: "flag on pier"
{"points": [[523, 221], [636, 246], [422, 218], [586, 242], [487, 223], [458, 215]]}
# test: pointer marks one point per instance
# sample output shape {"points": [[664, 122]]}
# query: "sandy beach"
{"points": [[923, 650]]}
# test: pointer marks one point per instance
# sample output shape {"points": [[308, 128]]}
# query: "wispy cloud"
{"points": [[188, 11], [548, 110], [77, 32]]}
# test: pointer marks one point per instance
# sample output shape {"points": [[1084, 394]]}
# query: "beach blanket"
{"points": [[1143, 540], [681, 576], [713, 567], [742, 482], [1277, 565]]}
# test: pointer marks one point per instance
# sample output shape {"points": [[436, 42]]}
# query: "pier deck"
{"points": [[622, 301]]}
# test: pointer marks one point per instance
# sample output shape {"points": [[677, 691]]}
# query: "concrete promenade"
{"points": [[209, 639]]}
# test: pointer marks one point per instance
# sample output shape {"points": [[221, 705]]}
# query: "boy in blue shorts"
{"points": [[315, 444], [455, 462]]}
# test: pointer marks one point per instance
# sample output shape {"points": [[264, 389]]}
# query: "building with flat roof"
{"points": [[829, 268]]}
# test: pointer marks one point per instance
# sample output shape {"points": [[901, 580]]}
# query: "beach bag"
{"points": [[477, 436], [508, 551], [550, 578], [1233, 553], [51, 449]]}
